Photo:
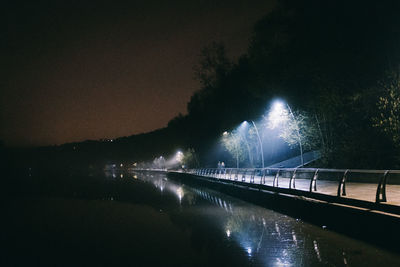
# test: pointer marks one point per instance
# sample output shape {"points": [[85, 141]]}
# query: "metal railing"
{"points": [[370, 185]]}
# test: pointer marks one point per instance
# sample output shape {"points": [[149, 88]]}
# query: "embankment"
{"points": [[375, 227]]}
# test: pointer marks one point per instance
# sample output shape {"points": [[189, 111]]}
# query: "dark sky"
{"points": [[75, 71]]}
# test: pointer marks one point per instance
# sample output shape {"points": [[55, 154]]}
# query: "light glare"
{"points": [[277, 115]]}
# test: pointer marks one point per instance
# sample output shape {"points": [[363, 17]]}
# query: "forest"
{"points": [[336, 63]]}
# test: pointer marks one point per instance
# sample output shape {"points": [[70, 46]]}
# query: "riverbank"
{"points": [[374, 227]]}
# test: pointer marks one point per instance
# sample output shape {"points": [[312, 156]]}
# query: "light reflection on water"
{"points": [[266, 237]]}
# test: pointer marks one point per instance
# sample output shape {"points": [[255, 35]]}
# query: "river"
{"points": [[146, 219]]}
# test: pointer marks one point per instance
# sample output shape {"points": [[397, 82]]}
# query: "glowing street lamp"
{"points": [[278, 114], [179, 156]]}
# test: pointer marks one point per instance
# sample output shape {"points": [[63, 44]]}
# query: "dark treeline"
{"points": [[338, 61], [332, 59]]}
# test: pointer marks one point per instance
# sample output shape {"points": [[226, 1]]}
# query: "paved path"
{"points": [[361, 191]]}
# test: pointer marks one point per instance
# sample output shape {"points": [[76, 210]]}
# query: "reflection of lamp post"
{"points": [[261, 145], [276, 116]]}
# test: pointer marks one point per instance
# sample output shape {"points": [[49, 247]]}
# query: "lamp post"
{"points": [[237, 155], [261, 145], [276, 117], [162, 162], [298, 135], [243, 126]]}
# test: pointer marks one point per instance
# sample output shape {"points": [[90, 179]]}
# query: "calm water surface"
{"points": [[257, 235], [148, 219]]}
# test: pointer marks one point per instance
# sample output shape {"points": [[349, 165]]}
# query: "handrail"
{"points": [[312, 169], [250, 175]]}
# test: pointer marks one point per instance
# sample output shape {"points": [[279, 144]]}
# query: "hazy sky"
{"points": [[101, 69]]}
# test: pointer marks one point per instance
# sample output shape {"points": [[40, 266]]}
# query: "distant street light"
{"points": [[277, 115]]}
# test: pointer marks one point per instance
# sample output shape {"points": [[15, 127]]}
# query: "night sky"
{"points": [[75, 71]]}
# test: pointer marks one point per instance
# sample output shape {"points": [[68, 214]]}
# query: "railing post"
{"points": [[342, 184], [381, 190], [314, 181], [237, 174], [292, 178], [262, 177], [252, 176], [276, 179], [244, 175]]}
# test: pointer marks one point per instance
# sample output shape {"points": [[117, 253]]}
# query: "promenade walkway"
{"points": [[375, 186]]}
